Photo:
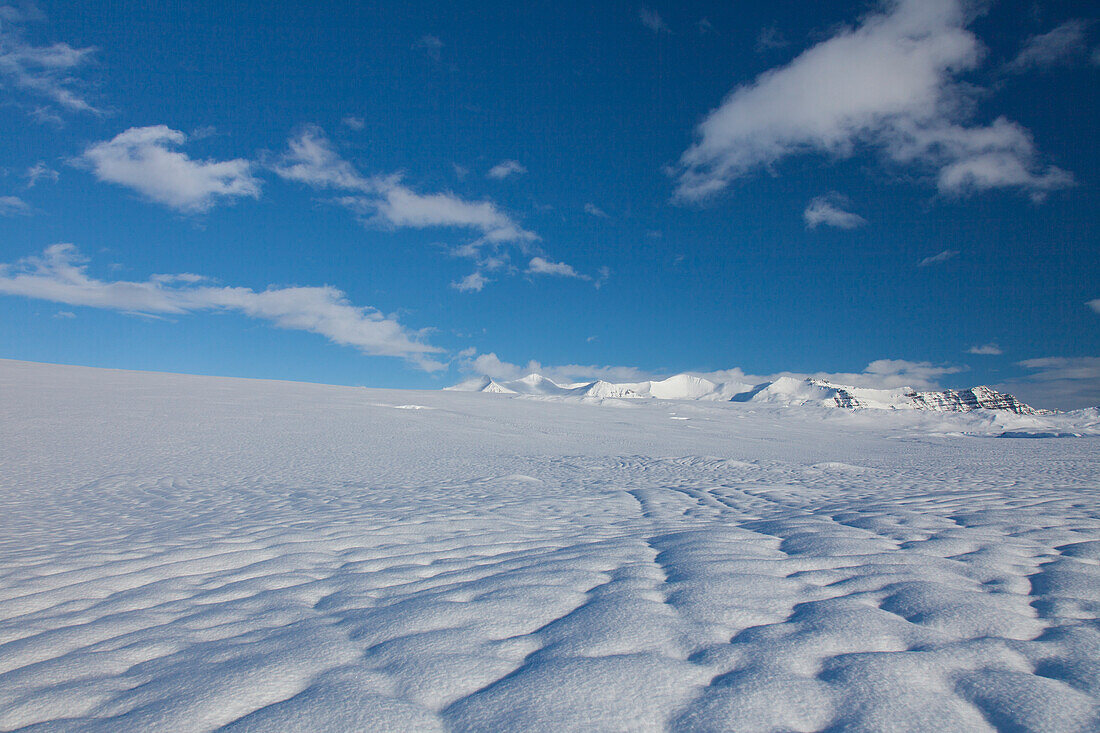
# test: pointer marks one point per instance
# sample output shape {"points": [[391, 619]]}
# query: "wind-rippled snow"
{"points": [[186, 553]]}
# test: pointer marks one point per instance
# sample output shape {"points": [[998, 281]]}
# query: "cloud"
{"points": [[989, 349], [654, 22], [770, 39], [312, 159], [45, 72], [60, 275], [403, 207], [1094, 304], [595, 211], [472, 283], [1059, 367], [430, 45], [142, 159], [879, 374], [40, 172], [936, 259], [14, 206], [64, 314], [827, 210], [1059, 46], [1065, 383], [891, 84], [542, 266], [353, 122], [490, 365], [506, 168]]}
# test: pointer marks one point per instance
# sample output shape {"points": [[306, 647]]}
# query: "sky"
{"points": [[405, 194]]}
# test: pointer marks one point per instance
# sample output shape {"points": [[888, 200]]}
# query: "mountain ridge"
{"points": [[785, 391]]}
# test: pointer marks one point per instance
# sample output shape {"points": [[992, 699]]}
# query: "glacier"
{"points": [[183, 553]]}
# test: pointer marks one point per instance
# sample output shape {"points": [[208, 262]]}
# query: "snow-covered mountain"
{"points": [[786, 391]]}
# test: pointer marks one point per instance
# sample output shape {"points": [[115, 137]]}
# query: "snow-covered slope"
{"points": [[192, 553], [788, 391]]}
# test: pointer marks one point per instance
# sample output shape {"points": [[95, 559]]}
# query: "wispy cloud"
{"points": [[46, 73], [40, 172], [431, 45], [1094, 304], [14, 206], [506, 168], [352, 122], [829, 210], [1059, 46], [312, 159], [936, 259], [653, 21], [542, 266], [475, 282], [990, 349], [879, 374], [60, 275], [769, 39], [143, 159], [594, 210], [892, 84], [1060, 382]]}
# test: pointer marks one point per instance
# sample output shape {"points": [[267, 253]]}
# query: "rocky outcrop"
{"points": [[966, 400]]}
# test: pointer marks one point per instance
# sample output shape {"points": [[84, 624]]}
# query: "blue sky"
{"points": [[399, 194]]}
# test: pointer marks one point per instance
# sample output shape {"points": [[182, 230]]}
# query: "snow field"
{"points": [[190, 553]]}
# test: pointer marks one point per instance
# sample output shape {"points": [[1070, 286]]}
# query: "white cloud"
{"points": [[1060, 367], [14, 206], [46, 72], [472, 283], [947, 254], [490, 365], [430, 45], [60, 275], [353, 122], [64, 314], [401, 206], [1065, 383], [1059, 46], [880, 374], [1094, 304], [769, 39], [893, 373], [890, 84], [542, 266], [595, 211], [142, 159], [827, 210], [990, 349], [311, 159], [653, 21], [40, 172], [506, 168]]}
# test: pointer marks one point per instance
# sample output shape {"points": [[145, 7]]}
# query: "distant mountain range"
{"points": [[788, 391]]}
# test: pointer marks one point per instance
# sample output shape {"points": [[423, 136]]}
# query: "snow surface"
{"points": [[186, 553]]}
